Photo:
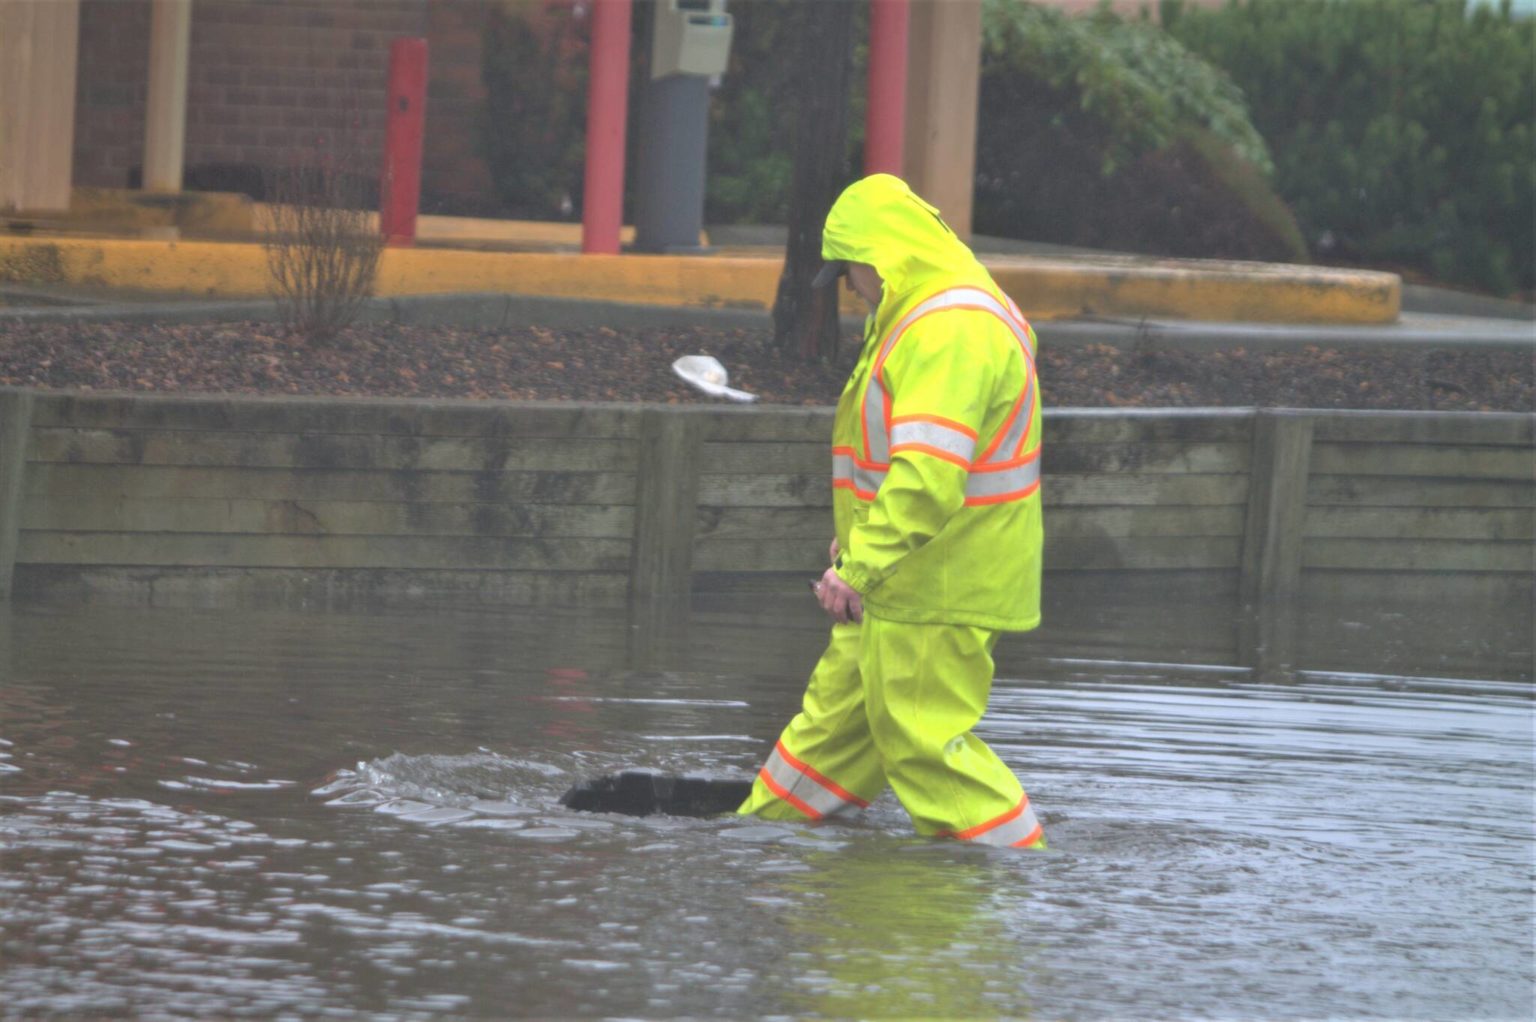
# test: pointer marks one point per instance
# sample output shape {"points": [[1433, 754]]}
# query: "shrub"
{"points": [[533, 135], [1107, 133], [752, 126], [1402, 129], [1128, 76], [324, 244]]}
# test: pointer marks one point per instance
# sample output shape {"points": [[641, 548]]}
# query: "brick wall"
{"points": [[268, 79], [271, 78], [110, 89], [1125, 8]]}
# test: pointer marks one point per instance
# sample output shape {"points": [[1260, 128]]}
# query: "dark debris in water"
{"points": [[641, 793]]}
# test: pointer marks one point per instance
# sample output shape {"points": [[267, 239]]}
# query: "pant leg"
{"points": [[825, 761], [927, 686]]}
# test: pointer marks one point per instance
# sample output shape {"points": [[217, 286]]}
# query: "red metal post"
{"points": [[886, 116], [404, 126], [602, 207]]}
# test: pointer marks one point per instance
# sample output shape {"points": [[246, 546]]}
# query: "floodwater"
{"points": [[301, 813]]}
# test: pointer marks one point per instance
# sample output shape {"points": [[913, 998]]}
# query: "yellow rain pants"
{"points": [[895, 702]]}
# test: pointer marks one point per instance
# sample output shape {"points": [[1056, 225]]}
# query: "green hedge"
{"points": [[752, 127], [1130, 77], [532, 136], [1402, 130], [1106, 133]]}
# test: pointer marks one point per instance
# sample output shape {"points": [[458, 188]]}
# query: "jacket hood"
{"points": [[879, 220]]}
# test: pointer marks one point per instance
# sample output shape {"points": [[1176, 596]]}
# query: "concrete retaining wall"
{"points": [[216, 498]]}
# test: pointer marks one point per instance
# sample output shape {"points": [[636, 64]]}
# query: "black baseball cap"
{"points": [[829, 273]]}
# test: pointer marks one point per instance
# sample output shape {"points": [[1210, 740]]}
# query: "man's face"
{"points": [[865, 282]]}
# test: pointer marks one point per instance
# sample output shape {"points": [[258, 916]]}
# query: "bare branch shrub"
{"points": [[323, 243]]}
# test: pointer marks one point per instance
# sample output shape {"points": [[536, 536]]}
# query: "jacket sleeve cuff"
{"points": [[858, 581]]}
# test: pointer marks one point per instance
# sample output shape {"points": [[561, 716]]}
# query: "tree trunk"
{"points": [[805, 321]]}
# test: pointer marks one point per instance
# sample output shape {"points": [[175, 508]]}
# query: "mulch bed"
{"points": [[603, 364]]}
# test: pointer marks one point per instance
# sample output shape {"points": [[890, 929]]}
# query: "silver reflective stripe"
{"points": [[868, 480], [801, 790], [1028, 337], [1014, 438], [842, 466], [961, 297], [931, 434], [1015, 831], [865, 481], [1015, 479], [874, 421], [983, 485]]}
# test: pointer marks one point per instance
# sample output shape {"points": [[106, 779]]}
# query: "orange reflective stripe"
{"points": [[803, 787], [1015, 429], [1013, 436], [932, 452], [937, 420], [874, 410], [1025, 420], [1003, 481], [1030, 838], [1002, 433], [821, 779], [1004, 498], [1015, 828], [783, 793], [989, 481], [935, 435], [842, 466], [996, 821], [863, 493], [850, 473]]}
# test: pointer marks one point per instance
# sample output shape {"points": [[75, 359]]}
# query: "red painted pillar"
{"points": [[602, 206], [886, 117], [404, 126]]}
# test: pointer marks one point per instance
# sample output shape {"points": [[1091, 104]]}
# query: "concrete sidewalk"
{"points": [[52, 304]]}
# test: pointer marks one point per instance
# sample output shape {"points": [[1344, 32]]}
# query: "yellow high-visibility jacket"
{"points": [[936, 441]]}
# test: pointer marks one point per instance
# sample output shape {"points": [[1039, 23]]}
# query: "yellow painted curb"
{"points": [[468, 232], [1210, 290], [1117, 287], [689, 281]]}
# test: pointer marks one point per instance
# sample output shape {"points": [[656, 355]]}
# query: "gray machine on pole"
{"points": [[690, 43]]}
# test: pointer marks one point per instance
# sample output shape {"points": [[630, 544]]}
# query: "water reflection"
{"points": [[213, 813], [881, 929]]}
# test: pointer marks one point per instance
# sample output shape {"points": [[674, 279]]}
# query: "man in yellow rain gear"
{"points": [[936, 504]]}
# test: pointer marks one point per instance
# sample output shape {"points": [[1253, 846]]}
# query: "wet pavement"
{"points": [[289, 813]]}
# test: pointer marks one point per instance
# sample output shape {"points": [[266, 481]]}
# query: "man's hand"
{"points": [[840, 600], [833, 551]]}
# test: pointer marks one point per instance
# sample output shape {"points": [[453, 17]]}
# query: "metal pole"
{"points": [[669, 175], [165, 117], [886, 117], [404, 127], [602, 208]]}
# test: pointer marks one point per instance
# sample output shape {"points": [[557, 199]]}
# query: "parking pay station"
{"points": [[690, 43]]}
